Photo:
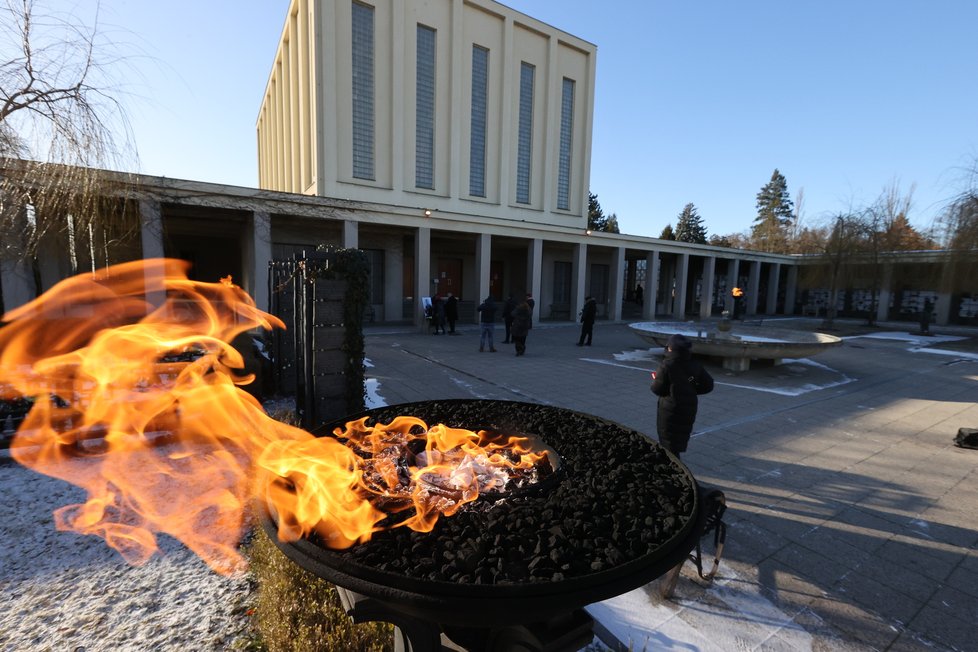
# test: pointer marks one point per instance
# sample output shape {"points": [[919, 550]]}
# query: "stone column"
{"points": [[886, 293], [942, 309], [682, 282], [422, 272], [151, 238], [709, 280], [773, 278], [617, 283], [483, 254], [351, 234], [651, 285], [257, 255], [534, 267], [578, 278], [151, 228]]}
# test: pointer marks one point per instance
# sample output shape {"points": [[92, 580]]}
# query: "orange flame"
{"points": [[137, 402]]}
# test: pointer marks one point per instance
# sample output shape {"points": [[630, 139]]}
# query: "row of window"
{"points": [[363, 115]]}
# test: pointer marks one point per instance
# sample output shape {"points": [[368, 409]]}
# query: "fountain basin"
{"points": [[740, 345]]}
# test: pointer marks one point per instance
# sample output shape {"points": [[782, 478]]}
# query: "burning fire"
{"points": [[402, 466], [137, 401]]}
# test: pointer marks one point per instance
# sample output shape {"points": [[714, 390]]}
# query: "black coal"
{"points": [[619, 499]]}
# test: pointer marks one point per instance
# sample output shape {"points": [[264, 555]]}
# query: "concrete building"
{"points": [[461, 133], [451, 141]]}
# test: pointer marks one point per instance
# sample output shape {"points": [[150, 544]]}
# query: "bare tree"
{"points": [[60, 122], [958, 231], [876, 233], [837, 243]]}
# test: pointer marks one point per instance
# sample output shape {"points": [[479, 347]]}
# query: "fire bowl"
{"points": [[621, 512]]}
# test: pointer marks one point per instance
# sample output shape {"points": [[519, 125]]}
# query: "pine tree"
{"points": [[774, 215], [667, 233], [689, 226], [596, 219], [902, 236]]}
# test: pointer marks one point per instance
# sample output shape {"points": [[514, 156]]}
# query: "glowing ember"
{"points": [[135, 400]]}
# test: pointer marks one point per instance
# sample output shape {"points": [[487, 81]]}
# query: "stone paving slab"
{"points": [[851, 514]]}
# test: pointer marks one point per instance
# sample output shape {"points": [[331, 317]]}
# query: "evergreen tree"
{"points": [[902, 236], [774, 215], [596, 219], [689, 226], [667, 233]]}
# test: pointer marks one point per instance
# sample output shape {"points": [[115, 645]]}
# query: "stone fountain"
{"points": [[737, 347]]}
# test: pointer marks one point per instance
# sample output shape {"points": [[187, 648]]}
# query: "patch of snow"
{"points": [[908, 337], [374, 399], [956, 354], [64, 591], [731, 614]]}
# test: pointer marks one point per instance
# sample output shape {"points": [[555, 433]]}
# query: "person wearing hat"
{"points": [[678, 382]]}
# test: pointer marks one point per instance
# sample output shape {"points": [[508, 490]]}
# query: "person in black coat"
{"points": [[588, 313], [438, 311], [522, 323], [508, 307], [678, 382], [451, 312]]}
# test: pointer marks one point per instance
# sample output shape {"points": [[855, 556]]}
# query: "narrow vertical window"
{"points": [[424, 129], [524, 147], [480, 102], [363, 91], [566, 144]]}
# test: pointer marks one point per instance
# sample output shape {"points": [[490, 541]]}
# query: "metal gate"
{"points": [[308, 357]]}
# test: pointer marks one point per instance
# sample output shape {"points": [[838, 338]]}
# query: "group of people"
{"points": [[443, 311], [678, 381], [517, 318]]}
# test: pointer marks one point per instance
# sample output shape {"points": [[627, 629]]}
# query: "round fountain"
{"points": [[738, 346]]}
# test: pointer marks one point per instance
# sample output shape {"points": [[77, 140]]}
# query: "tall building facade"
{"points": [[465, 107]]}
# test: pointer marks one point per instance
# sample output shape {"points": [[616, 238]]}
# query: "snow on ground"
{"points": [[63, 591], [912, 338]]}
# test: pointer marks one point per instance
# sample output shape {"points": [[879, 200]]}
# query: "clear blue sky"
{"points": [[696, 101]]}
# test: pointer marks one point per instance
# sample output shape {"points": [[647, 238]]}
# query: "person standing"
{"points": [[451, 312], [487, 323], [438, 308], [678, 382], [508, 307], [925, 316], [639, 294], [522, 323], [588, 314]]}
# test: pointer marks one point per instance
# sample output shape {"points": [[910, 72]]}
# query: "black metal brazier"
{"points": [[622, 512]]}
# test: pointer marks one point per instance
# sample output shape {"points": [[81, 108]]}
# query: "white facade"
{"points": [[451, 70]]}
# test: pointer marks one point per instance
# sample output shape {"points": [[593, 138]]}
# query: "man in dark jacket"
{"points": [[588, 313], [522, 323], [487, 323], [508, 307], [677, 382], [451, 312]]}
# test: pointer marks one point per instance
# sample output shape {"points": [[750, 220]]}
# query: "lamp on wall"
{"points": [[587, 232], [427, 212]]}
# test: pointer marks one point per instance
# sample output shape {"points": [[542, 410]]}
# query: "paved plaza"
{"points": [[852, 516]]}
